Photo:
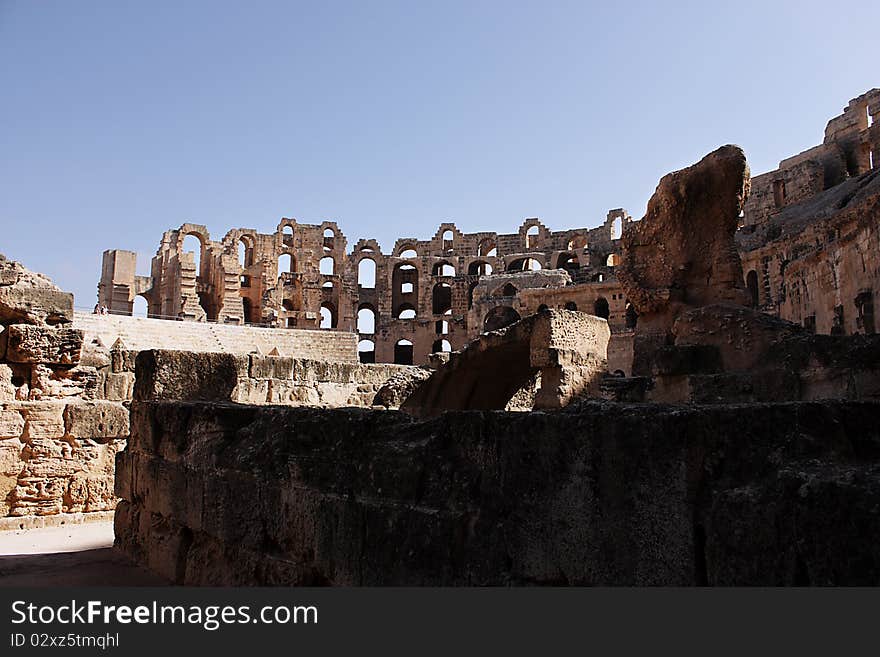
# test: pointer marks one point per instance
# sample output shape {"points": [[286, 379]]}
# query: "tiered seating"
{"points": [[138, 334]]}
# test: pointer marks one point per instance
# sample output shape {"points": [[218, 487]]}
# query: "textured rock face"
{"points": [[58, 437], [31, 298], [682, 253], [598, 493], [255, 379]]}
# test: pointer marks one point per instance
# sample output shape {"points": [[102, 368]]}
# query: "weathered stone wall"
{"points": [[301, 273], [62, 419], [597, 494], [254, 379]]}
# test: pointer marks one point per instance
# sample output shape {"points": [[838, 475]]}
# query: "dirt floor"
{"points": [[73, 555]]}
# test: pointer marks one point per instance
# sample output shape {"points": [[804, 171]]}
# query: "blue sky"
{"points": [[120, 120]]}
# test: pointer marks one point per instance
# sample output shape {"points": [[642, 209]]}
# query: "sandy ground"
{"points": [[73, 555]]}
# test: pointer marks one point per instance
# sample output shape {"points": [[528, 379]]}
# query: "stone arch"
{"points": [[366, 351], [367, 273], [752, 286], [571, 305], [499, 317], [286, 264], [441, 298], [568, 262], [441, 346], [479, 268], [140, 306], [403, 352], [366, 319], [631, 316], [601, 308], [443, 268], [487, 247], [328, 316], [406, 311], [327, 266]]}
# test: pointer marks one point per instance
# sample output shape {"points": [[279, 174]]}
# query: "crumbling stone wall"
{"points": [[62, 419], [426, 296]]}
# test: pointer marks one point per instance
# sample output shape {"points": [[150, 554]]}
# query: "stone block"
{"points": [[42, 419], [35, 305], [119, 386], [42, 344], [96, 420], [11, 422], [188, 376]]}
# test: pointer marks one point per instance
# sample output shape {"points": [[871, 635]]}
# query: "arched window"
{"points": [[328, 285], [571, 305], [542, 308], [441, 327], [577, 242], [532, 235], [403, 352], [247, 311], [406, 311], [285, 263], [443, 268], [328, 232], [242, 253], [328, 316], [448, 238], [140, 307], [479, 268], [192, 244], [287, 231], [441, 346], [600, 308], [366, 320], [366, 351], [367, 273], [327, 265], [752, 285], [613, 260], [408, 253], [616, 228], [441, 298], [524, 264]]}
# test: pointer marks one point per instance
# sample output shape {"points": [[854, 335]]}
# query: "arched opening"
{"points": [[499, 317], [441, 327], [403, 352], [542, 308], [568, 262], [571, 305], [366, 320], [508, 290], [617, 228], [329, 236], [613, 260], [441, 298], [247, 311], [192, 244], [408, 252], [532, 237], [288, 305], [443, 268], [287, 235], [600, 308], [470, 297], [242, 253], [479, 268], [327, 285], [752, 285], [486, 248], [366, 351], [631, 317], [140, 307], [524, 264], [328, 316], [367, 273], [285, 264], [327, 265], [406, 311], [441, 346], [448, 237]]}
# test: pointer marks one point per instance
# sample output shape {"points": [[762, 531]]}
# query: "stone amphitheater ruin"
{"points": [[691, 398]]}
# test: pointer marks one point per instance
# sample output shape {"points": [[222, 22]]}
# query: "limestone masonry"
{"points": [[808, 246], [691, 398]]}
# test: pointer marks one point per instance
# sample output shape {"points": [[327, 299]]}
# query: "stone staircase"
{"points": [[138, 334]]}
